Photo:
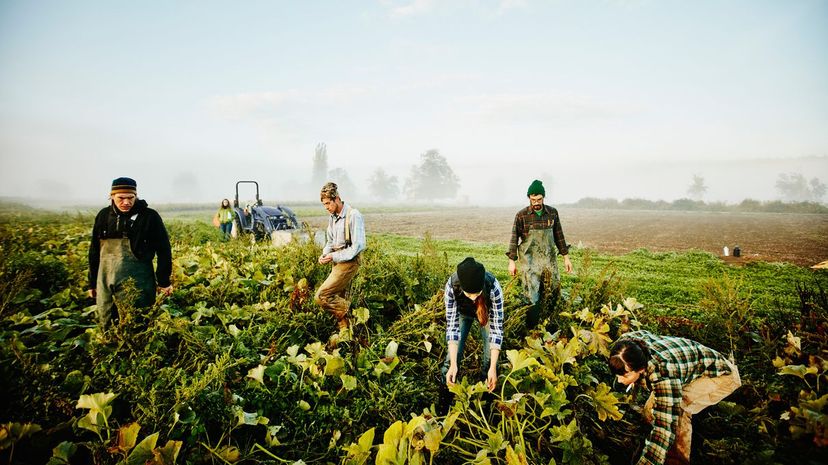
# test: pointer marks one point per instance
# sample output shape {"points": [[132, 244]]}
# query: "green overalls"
{"points": [[537, 254], [118, 265]]}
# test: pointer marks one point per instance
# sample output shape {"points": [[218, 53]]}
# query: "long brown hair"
{"points": [[482, 310]]}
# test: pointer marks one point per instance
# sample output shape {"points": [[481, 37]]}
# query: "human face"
{"points": [[334, 206], [536, 201], [629, 377], [124, 202], [225, 203]]}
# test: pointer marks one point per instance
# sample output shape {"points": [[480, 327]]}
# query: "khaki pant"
{"points": [[331, 294], [696, 396]]}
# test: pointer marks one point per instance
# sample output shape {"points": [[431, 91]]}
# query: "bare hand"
{"points": [[92, 293], [491, 379], [167, 290], [325, 259], [512, 268], [567, 264], [451, 375]]}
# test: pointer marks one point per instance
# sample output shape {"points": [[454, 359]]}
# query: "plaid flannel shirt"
{"points": [[527, 219], [674, 362], [495, 316]]}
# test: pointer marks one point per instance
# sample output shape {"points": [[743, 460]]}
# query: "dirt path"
{"points": [[796, 238]]}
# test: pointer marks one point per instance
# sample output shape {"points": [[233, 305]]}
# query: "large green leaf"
{"points": [[519, 360]]}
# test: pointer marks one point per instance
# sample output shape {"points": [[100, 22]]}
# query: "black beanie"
{"points": [[471, 275], [123, 186]]}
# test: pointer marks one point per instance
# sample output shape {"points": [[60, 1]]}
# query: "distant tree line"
{"points": [[747, 205], [431, 179]]}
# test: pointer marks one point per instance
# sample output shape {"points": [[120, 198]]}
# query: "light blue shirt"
{"points": [[335, 235]]}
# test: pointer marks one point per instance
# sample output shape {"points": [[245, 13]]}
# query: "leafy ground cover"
{"points": [[239, 365]]}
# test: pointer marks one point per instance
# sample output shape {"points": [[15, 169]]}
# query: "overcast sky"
{"points": [[597, 98]]}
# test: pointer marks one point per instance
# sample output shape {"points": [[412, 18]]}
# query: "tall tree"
{"points": [[382, 186], [320, 165], [794, 187], [697, 188], [432, 179]]}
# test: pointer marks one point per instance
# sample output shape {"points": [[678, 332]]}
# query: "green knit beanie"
{"points": [[536, 188]]}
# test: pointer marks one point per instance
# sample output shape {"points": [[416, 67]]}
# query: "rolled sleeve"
{"points": [[452, 320], [496, 318], [666, 413]]}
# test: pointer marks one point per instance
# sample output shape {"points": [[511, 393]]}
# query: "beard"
{"points": [[537, 208]]}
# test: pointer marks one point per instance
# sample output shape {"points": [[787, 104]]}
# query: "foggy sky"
{"points": [[599, 98]]}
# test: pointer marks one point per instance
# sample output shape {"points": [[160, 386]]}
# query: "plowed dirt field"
{"points": [[795, 238]]}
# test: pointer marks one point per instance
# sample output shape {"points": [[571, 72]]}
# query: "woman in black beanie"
{"points": [[473, 294]]}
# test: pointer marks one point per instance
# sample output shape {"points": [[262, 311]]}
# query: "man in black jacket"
{"points": [[127, 235]]}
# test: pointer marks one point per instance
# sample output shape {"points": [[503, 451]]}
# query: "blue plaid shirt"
{"points": [[495, 316]]}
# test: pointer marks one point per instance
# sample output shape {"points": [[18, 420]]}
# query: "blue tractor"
{"points": [[277, 224]]}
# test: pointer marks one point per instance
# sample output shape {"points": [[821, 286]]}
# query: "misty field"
{"points": [[796, 238], [239, 366]]}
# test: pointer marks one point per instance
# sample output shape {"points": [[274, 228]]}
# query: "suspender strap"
{"points": [[348, 227]]}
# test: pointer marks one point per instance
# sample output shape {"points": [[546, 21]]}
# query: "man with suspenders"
{"points": [[345, 240]]}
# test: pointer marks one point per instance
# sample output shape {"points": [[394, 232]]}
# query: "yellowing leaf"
{"points": [[168, 454], [432, 440], [143, 451], [519, 360], [565, 432], [127, 437], [348, 382], [257, 373], [515, 458], [394, 434], [303, 405], [361, 315], [366, 441], [98, 401], [605, 403], [391, 349], [798, 370], [334, 365]]}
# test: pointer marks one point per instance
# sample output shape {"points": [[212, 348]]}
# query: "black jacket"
{"points": [[147, 238]]}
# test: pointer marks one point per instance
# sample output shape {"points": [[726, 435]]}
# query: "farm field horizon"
{"points": [[797, 238]]}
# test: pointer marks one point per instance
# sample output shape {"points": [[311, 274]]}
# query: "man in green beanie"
{"points": [[536, 233]]}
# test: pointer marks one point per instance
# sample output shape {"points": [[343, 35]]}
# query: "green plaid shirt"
{"points": [[674, 362], [527, 219]]}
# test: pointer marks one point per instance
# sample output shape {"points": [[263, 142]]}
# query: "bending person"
{"points": [[684, 378], [473, 294]]}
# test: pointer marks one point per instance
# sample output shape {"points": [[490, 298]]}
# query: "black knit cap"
{"points": [[471, 275], [123, 185]]}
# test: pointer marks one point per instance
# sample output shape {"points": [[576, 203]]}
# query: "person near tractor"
{"points": [[126, 237], [536, 232], [684, 377], [473, 294], [345, 241], [224, 218]]}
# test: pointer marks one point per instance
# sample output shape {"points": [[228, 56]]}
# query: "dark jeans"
{"points": [[226, 228], [466, 323]]}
